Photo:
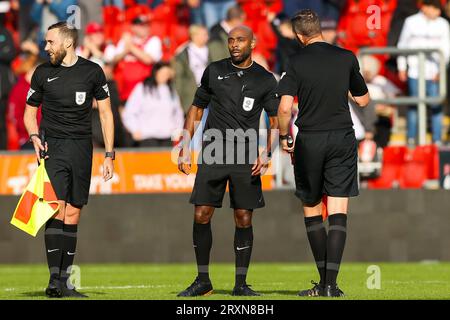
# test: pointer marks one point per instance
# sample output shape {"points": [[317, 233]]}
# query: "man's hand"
{"points": [[128, 41], [184, 162], [38, 147], [108, 169], [285, 146], [261, 164]]}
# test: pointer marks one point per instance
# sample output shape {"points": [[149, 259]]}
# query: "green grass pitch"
{"points": [[276, 281]]}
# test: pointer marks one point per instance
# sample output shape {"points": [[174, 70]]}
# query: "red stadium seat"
{"points": [[413, 172], [422, 164], [393, 160], [429, 155]]}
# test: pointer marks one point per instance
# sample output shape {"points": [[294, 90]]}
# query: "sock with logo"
{"points": [[243, 243], [317, 237], [53, 246], [202, 238], [70, 244], [337, 234]]}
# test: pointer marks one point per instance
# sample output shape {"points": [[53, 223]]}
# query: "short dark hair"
{"points": [[67, 31], [234, 12], [306, 22], [434, 3]]}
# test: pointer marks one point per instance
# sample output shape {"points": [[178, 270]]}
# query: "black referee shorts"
{"points": [[211, 182], [69, 168], [325, 163]]}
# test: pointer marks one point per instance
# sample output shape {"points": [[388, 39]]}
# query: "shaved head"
{"points": [[243, 30], [241, 42]]}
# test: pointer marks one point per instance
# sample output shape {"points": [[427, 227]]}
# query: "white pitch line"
{"points": [[110, 287]]}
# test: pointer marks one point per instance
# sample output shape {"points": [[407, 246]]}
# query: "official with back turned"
{"points": [[323, 77], [65, 87]]}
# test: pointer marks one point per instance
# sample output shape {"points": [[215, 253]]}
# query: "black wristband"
{"points": [[111, 155], [284, 137], [33, 135]]}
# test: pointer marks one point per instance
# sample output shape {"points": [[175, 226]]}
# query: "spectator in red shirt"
{"points": [[134, 54], [93, 47], [17, 101]]}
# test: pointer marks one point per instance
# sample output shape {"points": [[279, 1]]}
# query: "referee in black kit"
{"points": [[65, 87], [236, 90], [325, 152]]}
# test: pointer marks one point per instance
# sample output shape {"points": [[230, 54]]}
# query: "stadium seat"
{"points": [[413, 172], [393, 160], [352, 35], [429, 155]]}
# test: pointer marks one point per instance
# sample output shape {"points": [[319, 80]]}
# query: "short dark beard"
{"points": [[244, 57], [59, 57]]}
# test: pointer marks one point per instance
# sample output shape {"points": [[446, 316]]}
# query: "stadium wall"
{"points": [[388, 225]]}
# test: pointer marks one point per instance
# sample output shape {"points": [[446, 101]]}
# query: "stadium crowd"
{"points": [[154, 53]]}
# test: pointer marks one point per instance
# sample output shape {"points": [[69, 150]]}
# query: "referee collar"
{"points": [[68, 66], [251, 64]]}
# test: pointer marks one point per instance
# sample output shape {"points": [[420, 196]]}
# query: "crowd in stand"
{"points": [[154, 53]]}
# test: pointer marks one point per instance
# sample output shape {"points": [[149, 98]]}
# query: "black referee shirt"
{"points": [[236, 96], [66, 95], [321, 76]]}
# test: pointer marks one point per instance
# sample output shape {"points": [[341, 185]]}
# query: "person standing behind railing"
{"points": [[427, 30]]}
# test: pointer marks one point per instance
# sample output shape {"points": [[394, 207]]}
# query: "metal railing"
{"points": [[422, 99]]}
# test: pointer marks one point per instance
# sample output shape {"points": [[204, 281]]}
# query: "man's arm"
{"points": [[30, 121], [270, 133], [361, 101], [193, 118], [284, 118], [141, 54], [262, 162], [403, 43], [107, 123], [151, 53]]}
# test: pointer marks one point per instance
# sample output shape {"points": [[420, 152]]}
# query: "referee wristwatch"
{"points": [[110, 154], [33, 135]]}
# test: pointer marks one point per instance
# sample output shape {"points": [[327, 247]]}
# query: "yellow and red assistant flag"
{"points": [[37, 204]]}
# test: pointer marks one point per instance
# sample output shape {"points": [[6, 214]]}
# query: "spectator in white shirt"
{"points": [[426, 29], [153, 111]]}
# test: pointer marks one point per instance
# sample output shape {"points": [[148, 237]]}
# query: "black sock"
{"points": [[317, 236], [337, 233], [70, 244], [243, 243], [54, 246], [202, 237]]}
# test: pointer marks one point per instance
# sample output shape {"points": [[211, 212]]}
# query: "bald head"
{"points": [[242, 31]]}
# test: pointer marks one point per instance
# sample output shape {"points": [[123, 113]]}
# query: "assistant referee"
{"points": [[65, 87], [236, 90], [325, 152]]}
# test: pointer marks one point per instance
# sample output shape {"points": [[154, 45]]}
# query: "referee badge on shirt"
{"points": [[247, 105], [80, 97]]}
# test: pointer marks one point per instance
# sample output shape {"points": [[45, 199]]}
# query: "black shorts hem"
{"points": [[307, 201], [242, 207], [208, 204], [351, 195]]}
